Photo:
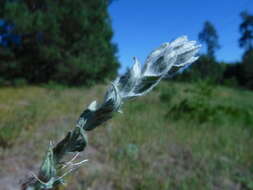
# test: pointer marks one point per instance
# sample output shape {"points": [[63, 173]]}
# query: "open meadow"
{"points": [[181, 136]]}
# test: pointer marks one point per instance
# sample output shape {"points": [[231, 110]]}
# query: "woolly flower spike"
{"points": [[165, 61], [139, 81]]}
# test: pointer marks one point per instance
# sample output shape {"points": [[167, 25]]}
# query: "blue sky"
{"points": [[142, 25]]}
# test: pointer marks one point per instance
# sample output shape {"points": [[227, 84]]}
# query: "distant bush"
{"points": [[198, 105], [205, 68], [2, 81], [247, 70], [167, 94], [241, 73], [19, 82], [55, 86]]}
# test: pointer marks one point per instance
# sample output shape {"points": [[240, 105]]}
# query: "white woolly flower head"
{"points": [[140, 80], [163, 62]]}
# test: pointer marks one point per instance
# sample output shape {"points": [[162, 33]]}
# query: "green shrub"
{"points": [[167, 94], [231, 82], [19, 82], [55, 86], [198, 104]]}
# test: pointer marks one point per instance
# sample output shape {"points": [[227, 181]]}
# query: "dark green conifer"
{"points": [[64, 41]]}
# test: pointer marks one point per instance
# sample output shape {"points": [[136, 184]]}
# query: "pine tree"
{"points": [[246, 29], [246, 42], [206, 67], [64, 41], [209, 36]]}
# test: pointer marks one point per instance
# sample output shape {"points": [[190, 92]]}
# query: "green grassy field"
{"points": [[180, 136]]}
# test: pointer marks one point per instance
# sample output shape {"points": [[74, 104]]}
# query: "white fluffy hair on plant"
{"points": [[165, 61]]}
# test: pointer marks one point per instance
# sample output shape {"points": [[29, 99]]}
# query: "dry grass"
{"points": [[144, 148]]}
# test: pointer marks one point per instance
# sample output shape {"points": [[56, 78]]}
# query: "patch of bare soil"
{"points": [[24, 157]]}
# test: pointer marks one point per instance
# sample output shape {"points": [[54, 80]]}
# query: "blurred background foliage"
{"points": [[238, 74], [68, 42]]}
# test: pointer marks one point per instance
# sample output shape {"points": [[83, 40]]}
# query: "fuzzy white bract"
{"points": [[139, 80]]}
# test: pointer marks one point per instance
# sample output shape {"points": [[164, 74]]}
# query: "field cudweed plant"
{"points": [[165, 61]]}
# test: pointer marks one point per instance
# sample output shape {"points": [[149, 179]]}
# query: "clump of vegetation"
{"points": [[199, 104], [196, 107]]}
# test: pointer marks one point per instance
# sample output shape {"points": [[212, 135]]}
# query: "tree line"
{"points": [[67, 42], [207, 67]]}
